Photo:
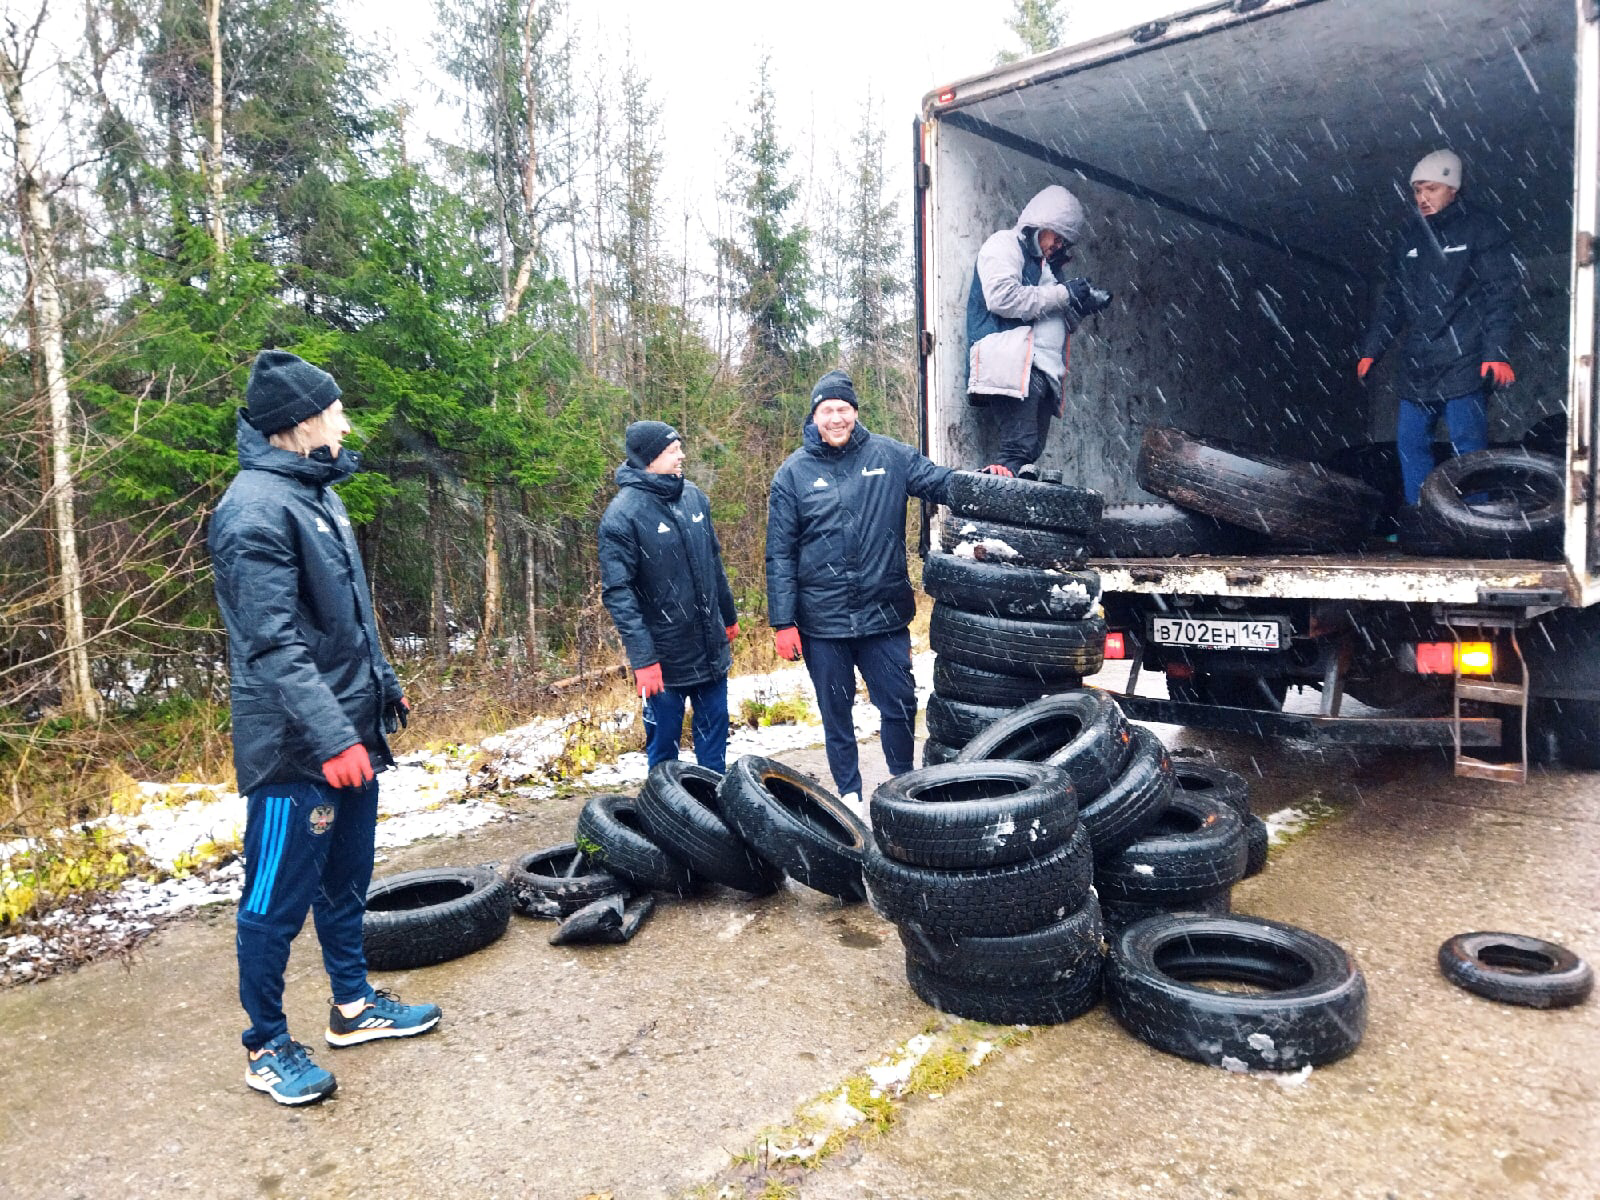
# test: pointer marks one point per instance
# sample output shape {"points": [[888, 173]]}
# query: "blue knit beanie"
{"points": [[285, 389], [835, 385]]}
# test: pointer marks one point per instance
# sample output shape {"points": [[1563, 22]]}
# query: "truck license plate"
{"points": [[1217, 633]]}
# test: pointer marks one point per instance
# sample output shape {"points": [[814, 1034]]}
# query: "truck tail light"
{"points": [[1116, 645], [1444, 658], [945, 95]]}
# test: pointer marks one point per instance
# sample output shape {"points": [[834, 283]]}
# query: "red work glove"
{"points": [[996, 469], [1500, 372], [648, 680], [349, 768], [1363, 367], [733, 631], [786, 642]]}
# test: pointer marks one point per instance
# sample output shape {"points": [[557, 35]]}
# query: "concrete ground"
{"points": [[638, 1070]]}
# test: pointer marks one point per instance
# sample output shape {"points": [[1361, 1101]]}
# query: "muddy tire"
{"points": [[1195, 849], [997, 543], [679, 809], [1516, 969], [796, 824], [1025, 501], [1201, 778], [1523, 506], [557, 881], [1134, 800], [973, 685], [1049, 651], [985, 902], [419, 918], [1119, 914], [611, 824], [955, 722], [934, 753], [1046, 955], [1052, 1003], [1165, 531], [1083, 732], [1010, 591], [1286, 499], [972, 815], [1313, 1009]]}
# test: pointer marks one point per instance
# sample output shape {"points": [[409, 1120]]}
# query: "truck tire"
{"points": [[610, 824], [1025, 502], [1050, 651], [1003, 590], [1286, 499], [1052, 1003], [1045, 955], [1576, 727], [957, 681], [1013, 545], [1196, 848], [679, 808], [1516, 969], [1313, 1009], [795, 823], [557, 881], [1523, 511], [955, 723], [1165, 531], [419, 918], [970, 815], [1083, 732]]}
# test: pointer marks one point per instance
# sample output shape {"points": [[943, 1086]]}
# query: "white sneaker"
{"points": [[853, 801]]}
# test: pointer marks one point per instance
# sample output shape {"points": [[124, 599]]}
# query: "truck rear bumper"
{"points": [[1358, 731]]}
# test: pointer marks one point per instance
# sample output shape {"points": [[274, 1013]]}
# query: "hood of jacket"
{"points": [[811, 438], [668, 487], [1055, 209], [318, 469]]}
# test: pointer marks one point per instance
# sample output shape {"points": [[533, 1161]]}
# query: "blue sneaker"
{"points": [[383, 1017], [286, 1073]]}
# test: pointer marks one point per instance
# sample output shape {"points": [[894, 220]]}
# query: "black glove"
{"points": [[1084, 298], [396, 714]]}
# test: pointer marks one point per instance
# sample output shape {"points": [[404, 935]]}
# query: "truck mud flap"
{"points": [[1350, 731]]}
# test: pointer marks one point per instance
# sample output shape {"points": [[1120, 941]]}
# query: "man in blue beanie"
{"points": [[838, 591], [312, 697]]}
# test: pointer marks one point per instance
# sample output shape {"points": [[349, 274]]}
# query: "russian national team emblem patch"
{"points": [[321, 819]]}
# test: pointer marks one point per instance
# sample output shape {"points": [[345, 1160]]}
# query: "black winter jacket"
{"points": [[836, 534], [307, 676], [661, 578], [1450, 285]]}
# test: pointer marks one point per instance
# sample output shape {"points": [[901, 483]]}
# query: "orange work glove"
{"points": [[351, 767], [1363, 367], [996, 469], [1500, 372], [786, 642], [733, 631], [648, 680]]}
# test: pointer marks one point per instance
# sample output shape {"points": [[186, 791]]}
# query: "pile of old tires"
{"points": [[1016, 614]]}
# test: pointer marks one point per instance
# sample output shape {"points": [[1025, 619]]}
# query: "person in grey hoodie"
{"points": [[1019, 324]]}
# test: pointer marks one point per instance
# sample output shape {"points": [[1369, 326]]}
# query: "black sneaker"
{"points": [[286, 1073], [383, 1017]]}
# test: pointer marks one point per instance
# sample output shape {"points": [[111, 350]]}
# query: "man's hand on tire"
{"points": [[996, 469]]}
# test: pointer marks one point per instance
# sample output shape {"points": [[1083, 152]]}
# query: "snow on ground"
{"points": [[425, 795]]}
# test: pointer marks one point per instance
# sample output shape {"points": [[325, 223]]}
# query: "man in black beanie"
{"points": [[662, 581], [838, 591], [312, 698]]}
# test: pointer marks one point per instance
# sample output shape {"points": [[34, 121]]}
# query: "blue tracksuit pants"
{"points": [[1467, 419], [884, 660], [306, 846], [663, 724]]}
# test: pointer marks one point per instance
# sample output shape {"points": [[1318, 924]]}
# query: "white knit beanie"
{"points": [[1442, 166]]}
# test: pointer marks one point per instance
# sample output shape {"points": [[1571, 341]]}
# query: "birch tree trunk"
{"points": [[219, 228], [47, 349], [491, 574]]}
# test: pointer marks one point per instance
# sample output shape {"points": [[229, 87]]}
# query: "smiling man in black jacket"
{"points": [[838, 591], [662, 581]]}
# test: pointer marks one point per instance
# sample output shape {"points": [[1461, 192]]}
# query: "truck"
{"points": [[1243, 165]]}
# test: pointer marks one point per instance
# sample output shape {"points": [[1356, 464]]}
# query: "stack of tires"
{"points": [[1016, 614], [986, 871]]}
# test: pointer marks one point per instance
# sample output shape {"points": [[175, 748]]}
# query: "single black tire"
{"points": [[1313, 1011], [1046, 955], [1257, 845], [955, 722], [968, 815], [1082, 731], [934, 753], [1204, 778], [1195, 849], [1165, 530], [610, 824], [557, 881], [1050, 651], [419, 918], [1516, 969], [1134, 800], [1052, 1003], [1286, 499], [1523, 506], [1119, 914], [974, 685], [1013, 545], [795, 823], [680, 809], [1003, 590], [986, 901], [1025, 501]]}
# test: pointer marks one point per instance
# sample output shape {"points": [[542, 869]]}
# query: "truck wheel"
{"points": [[1050, 651], [1013, 545], [1083, 732], [1515, 969], [1009, 1004], [1522, 507], [1286, 499], [1045, 955], [1164, 531], [1024, 501], [968, 815], [679, 808], [1576, 725], [955, 723], [957, 681], [1003, 590]]}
